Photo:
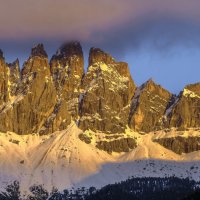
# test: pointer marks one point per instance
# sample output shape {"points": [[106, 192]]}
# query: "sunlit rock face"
{"points": [[107, 90], [4, 80], [45, 97], [185, 112], [67, 69], [148, 107], [34, 98]]}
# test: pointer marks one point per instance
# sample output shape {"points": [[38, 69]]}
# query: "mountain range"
{"points": [[63, 127]]}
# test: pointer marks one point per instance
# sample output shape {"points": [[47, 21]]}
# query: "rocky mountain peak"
{"points": [[185, 112], [69, 57], [14, 65], [16, 62], [38, 50], [148, 107], [108, 88], [195, 88], [151, 86], [4, 80], [149, 82], [97, 55], [33, 94], [37, 63], [69, 49], [1, 54]]}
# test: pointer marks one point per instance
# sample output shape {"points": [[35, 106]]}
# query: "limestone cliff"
{"points": [[148, 107], [45, 97], [107, 89]]}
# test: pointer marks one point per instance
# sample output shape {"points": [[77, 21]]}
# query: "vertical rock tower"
{"points": [[106, 95]]}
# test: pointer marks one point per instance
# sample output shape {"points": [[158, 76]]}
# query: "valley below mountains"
{"points": [[62, 127]]}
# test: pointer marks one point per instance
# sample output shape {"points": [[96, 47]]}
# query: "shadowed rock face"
{"points": [[121, 145], [45, 98], [186, 110], [14, 76], [107, 89], [148, 107], [38, 50], [67, 69], [180, 145], [1, 54]]}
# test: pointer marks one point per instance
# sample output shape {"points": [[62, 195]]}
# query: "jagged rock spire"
{"points": [[185, 112], [67, 69], [194, 88], [45, 98], [108, 88], [70, 57], [148, 107], [69, 49], [1, 54], [97, 55], [38, 50], [35, 98], [37, 62]]}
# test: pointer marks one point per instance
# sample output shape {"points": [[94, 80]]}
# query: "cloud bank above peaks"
{"points": [[60, 18], [114, 25]]}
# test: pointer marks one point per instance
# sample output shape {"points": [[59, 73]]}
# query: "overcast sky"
{"points": [[159, 39]]}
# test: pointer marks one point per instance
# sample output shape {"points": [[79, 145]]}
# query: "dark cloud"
{"points": [[114, 25], [153, 31]]}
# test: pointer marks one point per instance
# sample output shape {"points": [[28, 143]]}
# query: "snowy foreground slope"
{"points": [[63, 160]]}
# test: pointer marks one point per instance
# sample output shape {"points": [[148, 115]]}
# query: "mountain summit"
{"points": [[45, 97]]}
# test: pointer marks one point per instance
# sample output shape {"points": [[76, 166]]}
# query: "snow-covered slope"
{"points": [[62, 160]]}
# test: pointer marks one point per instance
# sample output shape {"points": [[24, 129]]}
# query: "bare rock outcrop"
{"points": [[185, 112], [46, 97], [180, 144], [107, 90], [67, 69], [4, 80], [148, 107], [34, 99]]}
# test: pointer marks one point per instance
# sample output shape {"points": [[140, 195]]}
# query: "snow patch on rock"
{"points": [[189, 93]]}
